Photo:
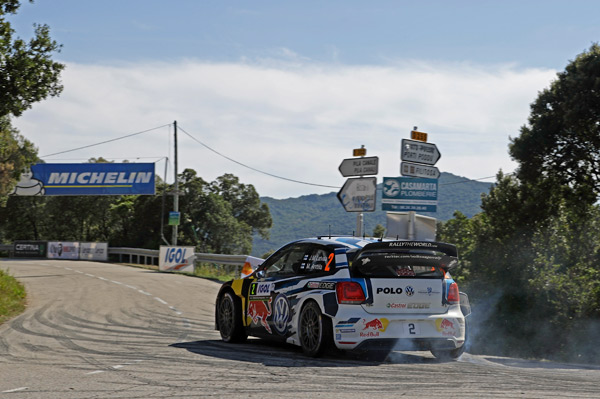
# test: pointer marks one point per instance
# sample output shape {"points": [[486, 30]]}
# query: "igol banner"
{"points": [[87, 179]]}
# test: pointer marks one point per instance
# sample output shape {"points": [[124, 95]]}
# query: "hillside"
{"points": [[312, 215]]}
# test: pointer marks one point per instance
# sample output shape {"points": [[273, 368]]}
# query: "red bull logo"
{"points": [[446, 327], [374, 324], [260, 310]]}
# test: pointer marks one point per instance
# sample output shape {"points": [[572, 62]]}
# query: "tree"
{"points": [[562, 140], [27, 75], [16, 154], [27, 72]]}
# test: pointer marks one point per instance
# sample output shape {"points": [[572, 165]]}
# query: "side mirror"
{"points": [[260, 273]]}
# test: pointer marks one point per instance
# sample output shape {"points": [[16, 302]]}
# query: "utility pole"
{"points": [[176, 189]]}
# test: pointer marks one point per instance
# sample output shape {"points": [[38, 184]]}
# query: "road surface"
{"points": [[99, 330]]}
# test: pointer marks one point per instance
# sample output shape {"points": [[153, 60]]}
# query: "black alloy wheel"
{"points": [[314, 329], [230, 319]]}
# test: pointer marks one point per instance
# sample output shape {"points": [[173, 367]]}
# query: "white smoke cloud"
{"points": [[293, 118]]}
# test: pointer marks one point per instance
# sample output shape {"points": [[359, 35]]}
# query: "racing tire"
{"points": [[314, 330], [230, 319]]}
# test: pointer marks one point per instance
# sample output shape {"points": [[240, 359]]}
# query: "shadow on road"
{"points": [[284, 355]]}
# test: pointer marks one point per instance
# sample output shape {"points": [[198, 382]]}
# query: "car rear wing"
{"points": [[447, 262]]}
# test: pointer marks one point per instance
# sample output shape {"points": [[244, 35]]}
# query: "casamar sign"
{"points": [[179, 259]]}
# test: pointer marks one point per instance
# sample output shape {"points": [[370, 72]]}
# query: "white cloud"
{"points": [[295, 119]]}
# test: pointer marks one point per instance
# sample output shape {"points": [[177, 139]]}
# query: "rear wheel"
{"points": [[314, 329], [230, 319]]}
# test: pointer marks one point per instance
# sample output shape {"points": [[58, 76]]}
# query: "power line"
{"points": [[250, 167], [104, 142], [224, 156]]}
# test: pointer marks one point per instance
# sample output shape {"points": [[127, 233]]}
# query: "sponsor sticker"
{"points": [[446, 326], [410, 291], [321, 285], [261, 289], [281, 315]]}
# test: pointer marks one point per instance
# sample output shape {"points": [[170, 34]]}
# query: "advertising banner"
{"points": [[97, 251], [409, 194], [87, 179], [63, 250], [180, 259], [30, 249]]}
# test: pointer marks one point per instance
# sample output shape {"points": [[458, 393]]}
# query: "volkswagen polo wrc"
{"points": [[352, 294]]}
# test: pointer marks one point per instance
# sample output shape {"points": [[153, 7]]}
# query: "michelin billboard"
{"points": [[87, 179]]}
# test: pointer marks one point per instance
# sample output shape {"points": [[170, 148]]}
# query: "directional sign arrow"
{"points": [[358, 195], [419, 152], [359, 166], [419, 170]]}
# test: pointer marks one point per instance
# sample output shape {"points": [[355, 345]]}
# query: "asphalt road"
{"points": [[96, 330]]}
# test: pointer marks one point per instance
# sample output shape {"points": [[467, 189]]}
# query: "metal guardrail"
{"points": [[150, 256]]}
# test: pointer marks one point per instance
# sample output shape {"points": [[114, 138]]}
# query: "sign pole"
{"points": [[411, 225], [176, 193]]}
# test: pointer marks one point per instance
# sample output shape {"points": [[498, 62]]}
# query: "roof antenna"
{"points": [[397, 237], [353, 233], [330, 232]]}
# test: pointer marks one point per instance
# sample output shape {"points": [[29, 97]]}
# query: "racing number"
{"points": [[330, 258], [411, 328]]}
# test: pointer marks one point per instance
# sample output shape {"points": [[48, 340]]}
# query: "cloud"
{"points": [[292, 118]]}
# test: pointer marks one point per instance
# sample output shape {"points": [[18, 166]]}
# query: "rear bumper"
{"points": [[401, 331]]}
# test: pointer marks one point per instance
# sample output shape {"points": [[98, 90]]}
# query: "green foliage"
{"points": [[530, 259], [562, 140], [16, 154], [379, 231], [27, 72], [12, 296]]}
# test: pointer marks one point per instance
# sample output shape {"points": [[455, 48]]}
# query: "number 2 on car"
{"points": [[330, 258]]}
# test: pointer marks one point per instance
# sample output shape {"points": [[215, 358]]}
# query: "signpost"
{"points": [[359, 166], [358, 194], [409, 194], [419, 152], [419, 170]]}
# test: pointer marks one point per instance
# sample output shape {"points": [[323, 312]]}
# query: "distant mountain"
{"points": [[312, 215]]}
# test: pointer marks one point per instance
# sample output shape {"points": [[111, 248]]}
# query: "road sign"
{"points": [[419, 170], [359, 152], [359, 166], [409, 194], [418, 135], [358, 194], [419, 152]]}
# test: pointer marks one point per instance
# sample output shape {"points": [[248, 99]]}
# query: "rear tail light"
{"points": [[453, 294], [349, 292]]}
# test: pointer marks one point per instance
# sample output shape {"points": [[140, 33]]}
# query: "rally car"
{"points": [[350, 293]]}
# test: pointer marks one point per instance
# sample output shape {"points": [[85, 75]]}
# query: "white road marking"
{"points": [[175, 310], [90, 275], [144, 292], [131, 286], [103, 279], [15, 390], [160, 300], [118, 367], [95, 372], [116, 282], [68, 268]]}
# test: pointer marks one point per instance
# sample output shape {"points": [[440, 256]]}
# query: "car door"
{"points": [[269, 307]]}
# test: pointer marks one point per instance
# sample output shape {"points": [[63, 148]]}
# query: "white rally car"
{"points": [[353, 294]]}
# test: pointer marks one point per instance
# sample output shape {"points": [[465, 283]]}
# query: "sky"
{"points": [[279, 93]]}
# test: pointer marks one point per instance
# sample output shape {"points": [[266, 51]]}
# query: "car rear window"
{"points": [[406, 264]]}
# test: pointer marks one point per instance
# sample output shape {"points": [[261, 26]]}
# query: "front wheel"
{"points": [[230, 319], [314, 329]]}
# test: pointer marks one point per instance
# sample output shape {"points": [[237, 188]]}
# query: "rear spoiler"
{"points": [[447, 249]]}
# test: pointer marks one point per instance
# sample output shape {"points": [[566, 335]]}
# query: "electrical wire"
{"points": [[250, 167], [168, 160], [104, 142]]}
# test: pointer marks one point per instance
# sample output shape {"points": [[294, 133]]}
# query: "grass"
{"points": [[12, 297]]}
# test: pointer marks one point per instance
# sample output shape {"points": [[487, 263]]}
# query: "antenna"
{"points": [[330, 232]]}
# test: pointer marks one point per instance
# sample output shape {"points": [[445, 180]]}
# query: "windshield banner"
{"points": [[87, 179]]}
